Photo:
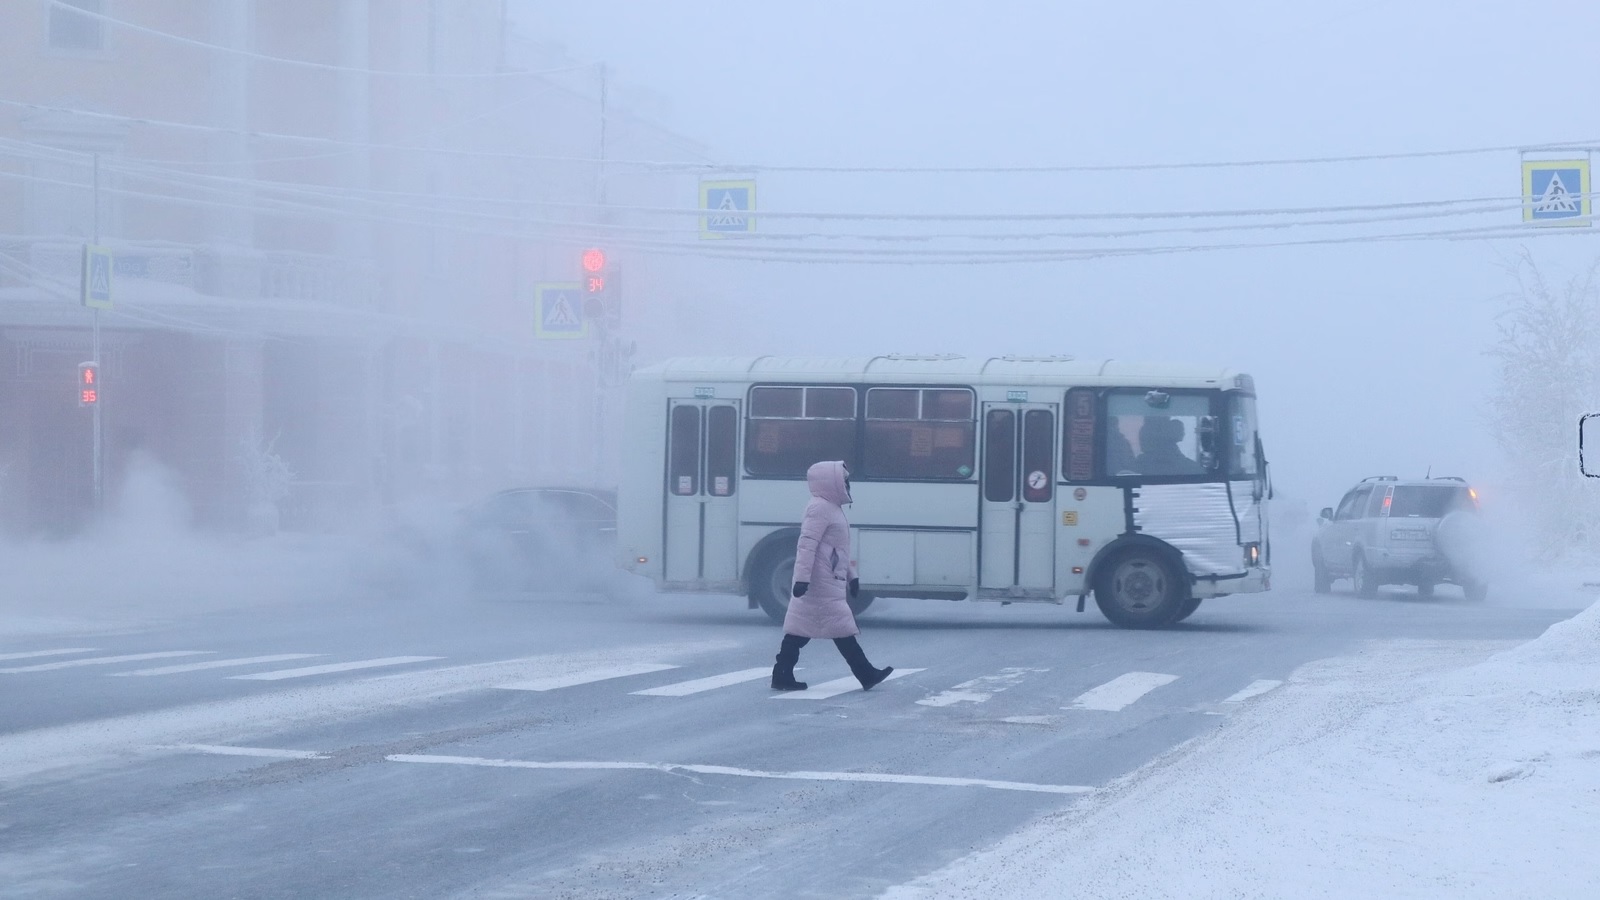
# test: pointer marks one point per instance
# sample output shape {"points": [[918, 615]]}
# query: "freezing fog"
{"points": [[353, 361]]}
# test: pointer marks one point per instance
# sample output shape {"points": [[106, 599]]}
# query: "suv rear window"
{"points": [[1427, 501]]}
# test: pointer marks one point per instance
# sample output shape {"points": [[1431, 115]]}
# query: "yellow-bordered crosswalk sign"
{"points": [[1556, 191], [558, 311], [729, 208], [97, 266]]}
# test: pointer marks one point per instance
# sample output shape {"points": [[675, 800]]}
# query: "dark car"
{"points": [[541, 538]]}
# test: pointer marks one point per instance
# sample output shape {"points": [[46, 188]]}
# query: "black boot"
{"points": [[869, 677], [783, 671]]}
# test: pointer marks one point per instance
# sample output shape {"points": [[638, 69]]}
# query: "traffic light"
{"points": [[594, 271], [600, 288], [88, 383]]}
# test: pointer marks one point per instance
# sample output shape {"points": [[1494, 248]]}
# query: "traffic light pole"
{"points": [[94, 351]]}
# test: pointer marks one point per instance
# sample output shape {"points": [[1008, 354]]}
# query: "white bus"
{"points": [[1009, 479]]}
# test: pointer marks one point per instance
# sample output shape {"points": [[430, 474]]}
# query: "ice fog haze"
{"points": [[1368, 356]]}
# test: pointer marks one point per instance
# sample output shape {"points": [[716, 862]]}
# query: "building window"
{"points": [[71, 29]]}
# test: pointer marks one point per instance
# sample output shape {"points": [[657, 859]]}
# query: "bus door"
{"points": [[702, 527], [1017, 519]]}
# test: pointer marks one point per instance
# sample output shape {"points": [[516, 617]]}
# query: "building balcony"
{"points": [[152, 269]]}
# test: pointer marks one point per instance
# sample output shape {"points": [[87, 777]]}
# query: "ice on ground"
{"points": [[1412, 769]]}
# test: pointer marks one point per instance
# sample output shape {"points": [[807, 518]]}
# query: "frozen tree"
{"points": [[267, 478], [1549, 374]]}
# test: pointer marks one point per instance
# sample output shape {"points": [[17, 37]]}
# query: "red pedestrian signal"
{"points": [[88, 384]]}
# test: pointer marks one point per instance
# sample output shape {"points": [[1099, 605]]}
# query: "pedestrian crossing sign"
{"points": [[727, 206], [1556, 191], [97, 265], [558, 311]]}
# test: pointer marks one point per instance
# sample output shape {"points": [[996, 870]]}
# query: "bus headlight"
{"points": [[1252, 555]]}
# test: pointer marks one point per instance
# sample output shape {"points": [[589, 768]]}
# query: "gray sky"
{"points": [[1368, 356]]}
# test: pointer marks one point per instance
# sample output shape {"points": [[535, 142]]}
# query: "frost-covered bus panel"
{"points": [[1008, 479]]}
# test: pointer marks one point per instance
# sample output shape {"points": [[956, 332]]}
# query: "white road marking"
{"points": [[334, 667], [104, 661], [837, 686], [1121, 691], [249, 751], [673, 768], [585, 676], [684, 688], [36, 653], [1253, 689], [215, 664], [978, 689]]}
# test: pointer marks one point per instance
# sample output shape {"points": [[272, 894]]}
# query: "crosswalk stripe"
{"points": [[281, 674], [104, 661], [216, 664], [585, 676], [1121, 691], [978, 690], [1253, 689], [265, 752], [37, 653], [837, 686], [684, 688]]}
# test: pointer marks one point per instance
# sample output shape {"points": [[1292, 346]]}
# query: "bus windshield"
{"points": [[1154, 432]]}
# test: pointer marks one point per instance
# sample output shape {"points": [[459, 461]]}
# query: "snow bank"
{"points": [[1413, 769]]}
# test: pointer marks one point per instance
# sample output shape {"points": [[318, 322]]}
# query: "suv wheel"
{"points": [[1425, 589], [1361, 577], [1321, 580]]}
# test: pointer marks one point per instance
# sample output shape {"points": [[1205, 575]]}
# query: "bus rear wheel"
{"points": [[770, 582], [771, 585], [1139, 589]]}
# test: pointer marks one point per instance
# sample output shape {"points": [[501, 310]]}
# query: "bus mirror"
{"points": [[1589, 445]]}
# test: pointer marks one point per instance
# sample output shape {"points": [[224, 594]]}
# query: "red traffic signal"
{"points": [[594, 260], [88, 384]]}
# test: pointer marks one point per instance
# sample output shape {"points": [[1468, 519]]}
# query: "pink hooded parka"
{"points": [[822, 558]]}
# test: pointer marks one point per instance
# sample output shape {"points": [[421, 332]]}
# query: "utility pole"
{"points": [[94, 350]]}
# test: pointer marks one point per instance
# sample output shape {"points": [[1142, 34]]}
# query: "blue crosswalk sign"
{"points": [[558, 312], [1556, 192], [728, 206], [97, 265]]}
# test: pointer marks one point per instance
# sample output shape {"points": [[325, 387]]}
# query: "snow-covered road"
{"points": [[1410, 769]]}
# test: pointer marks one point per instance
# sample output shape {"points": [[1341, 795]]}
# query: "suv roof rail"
{"points": [[1381, 478], [1449, 478]]}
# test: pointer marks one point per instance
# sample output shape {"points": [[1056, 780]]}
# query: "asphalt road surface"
{"points": [[413, 742]]}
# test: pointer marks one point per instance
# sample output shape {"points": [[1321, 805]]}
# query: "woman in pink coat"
{"points": [[824, 580]]}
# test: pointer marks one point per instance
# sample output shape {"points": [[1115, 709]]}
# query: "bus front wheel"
{"points": [[1139, 589]]}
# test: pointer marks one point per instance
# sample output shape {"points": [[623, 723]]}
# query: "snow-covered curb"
{"points": [[1413, 769]]}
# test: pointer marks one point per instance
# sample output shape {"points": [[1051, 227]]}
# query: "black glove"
{"points": [[855, 586], [800, 588]]}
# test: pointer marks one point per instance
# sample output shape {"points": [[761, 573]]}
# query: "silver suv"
{"points": [[1388, 531]]}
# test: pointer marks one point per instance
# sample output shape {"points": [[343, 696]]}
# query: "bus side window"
{"points": [[683, 456], [1077, 441], [919, 433], [792, 426]]}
